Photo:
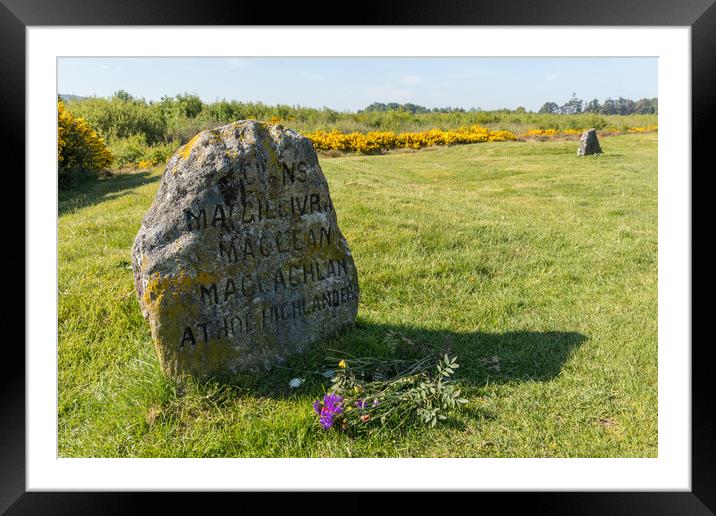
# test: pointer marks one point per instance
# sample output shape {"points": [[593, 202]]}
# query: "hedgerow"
{"points": [[143, 133]]}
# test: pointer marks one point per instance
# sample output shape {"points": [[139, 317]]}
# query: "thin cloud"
{"points": [[411, 79], [314, 76], [551, 77]]}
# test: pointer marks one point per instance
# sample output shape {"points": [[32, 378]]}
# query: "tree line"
{"points": [[380, 107], [620, 106]]}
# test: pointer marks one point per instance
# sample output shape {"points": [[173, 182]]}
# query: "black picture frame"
{"points": [[700, 15]]}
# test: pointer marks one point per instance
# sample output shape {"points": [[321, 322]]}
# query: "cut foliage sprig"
{"points": [[388, 393]]}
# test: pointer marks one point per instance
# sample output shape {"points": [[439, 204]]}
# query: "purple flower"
{"points": [[375, 403], [360, 404], [327, 409], [326, 420], [332, 402]]}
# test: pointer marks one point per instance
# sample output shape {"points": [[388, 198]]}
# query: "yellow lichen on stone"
{"points": [[152, 292], [158, 285], [215, 136], [186, 150]]}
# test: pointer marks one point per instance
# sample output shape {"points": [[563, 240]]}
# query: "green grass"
{"points": [[536, 267]]}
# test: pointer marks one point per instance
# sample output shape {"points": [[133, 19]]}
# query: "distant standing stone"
{"points": [[239, 262], [589, 144]]}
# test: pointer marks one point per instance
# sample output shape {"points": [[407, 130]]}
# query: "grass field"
{"points": [[536, 267]]}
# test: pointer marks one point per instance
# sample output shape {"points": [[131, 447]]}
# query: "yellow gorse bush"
{"points": [[577, 132], [647, 129], [542, 132], [79, 148], [376, 141]]}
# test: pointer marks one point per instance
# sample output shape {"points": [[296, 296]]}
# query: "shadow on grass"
{"points": [[484, 358], [96, 190]]}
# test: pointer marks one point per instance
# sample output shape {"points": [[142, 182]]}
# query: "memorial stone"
{"points": [[239, 261], [589, 144]]}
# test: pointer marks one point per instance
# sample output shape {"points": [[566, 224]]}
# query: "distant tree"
{"points": [[520, 109], [572, 106], [123, 95], [376, 107], [624, 106], [414, 108], [592, 106], [189, 105], [609, 107], [549, 107], [643, 107], [409, 107]]}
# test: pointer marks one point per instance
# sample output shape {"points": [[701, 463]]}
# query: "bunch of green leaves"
{"points": [[387, 394]]}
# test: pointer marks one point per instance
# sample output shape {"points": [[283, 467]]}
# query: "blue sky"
{"points": [[348, 84]]}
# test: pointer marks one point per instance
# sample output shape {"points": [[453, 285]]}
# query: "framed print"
{"points": [[454, 255]]}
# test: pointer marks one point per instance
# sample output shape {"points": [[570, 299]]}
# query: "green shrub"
{"points": [[121, 116], [595, 121], [134, 151], [158, 154], [129, 150]]}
